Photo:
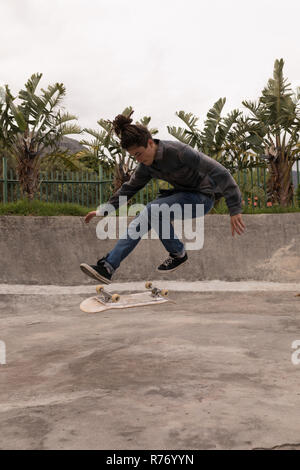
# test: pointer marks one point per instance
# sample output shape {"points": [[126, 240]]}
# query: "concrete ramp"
{"points": [[49, 250]]}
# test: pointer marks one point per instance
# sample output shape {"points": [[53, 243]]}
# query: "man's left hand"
{"points": [[237, 224]]}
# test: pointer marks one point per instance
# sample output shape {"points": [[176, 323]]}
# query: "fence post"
{"points": [[100, 188], [292, 184], [5, 183]]}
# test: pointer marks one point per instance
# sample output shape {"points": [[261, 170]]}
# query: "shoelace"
{"points": [[168, 261]]}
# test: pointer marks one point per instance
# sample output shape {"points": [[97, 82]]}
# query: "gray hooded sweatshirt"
{"points": [[186, 169]]}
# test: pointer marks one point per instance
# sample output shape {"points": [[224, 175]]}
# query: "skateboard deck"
{"points": [[106, 300]]}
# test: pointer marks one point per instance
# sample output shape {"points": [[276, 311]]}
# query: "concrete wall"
{"points": [[48, 250]]}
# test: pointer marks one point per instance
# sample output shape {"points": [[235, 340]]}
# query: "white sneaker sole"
{"points": [[86, 269], [170, 270]]}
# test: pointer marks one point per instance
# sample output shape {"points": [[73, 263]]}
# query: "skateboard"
{"points": [[106, 300]]}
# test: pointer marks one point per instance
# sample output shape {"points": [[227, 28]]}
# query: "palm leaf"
{"points": [[189, 119], [66, 117], [106, 125], [180, 134], [144, 121], [53, 95], [70, 161], [225, 126], [98, 135], [67, 129], [127, 111], [32, 83], [213, 119]]}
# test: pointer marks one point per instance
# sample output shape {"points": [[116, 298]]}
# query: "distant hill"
{"points": [[68, 144], [72, 145]]}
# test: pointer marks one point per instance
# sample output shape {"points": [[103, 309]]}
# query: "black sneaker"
{"points": [[99, 272], [172, 263]]}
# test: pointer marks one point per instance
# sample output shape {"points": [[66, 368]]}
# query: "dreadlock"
{"points": [[131, 135]]}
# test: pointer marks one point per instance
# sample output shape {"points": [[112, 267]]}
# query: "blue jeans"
{"points": [[172, 244]]}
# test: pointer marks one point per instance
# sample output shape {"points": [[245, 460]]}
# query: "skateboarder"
{"points": [[195, 178]]}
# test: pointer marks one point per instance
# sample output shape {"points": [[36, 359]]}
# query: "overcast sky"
{"points": [[159, 56]]}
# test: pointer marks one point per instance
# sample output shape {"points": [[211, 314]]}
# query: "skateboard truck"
{"points": [[105, 296], [155, 292]]}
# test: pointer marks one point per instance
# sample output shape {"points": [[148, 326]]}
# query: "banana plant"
{"points": [[34, 127], [105, 149], [214, 140], [273, 133], [237, 148]]}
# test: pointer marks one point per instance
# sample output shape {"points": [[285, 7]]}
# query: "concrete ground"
{"points": [[211, 371]]}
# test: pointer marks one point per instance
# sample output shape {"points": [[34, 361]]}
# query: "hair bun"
{"points": [[120, 122]]}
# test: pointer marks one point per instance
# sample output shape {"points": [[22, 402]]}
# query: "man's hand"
{"points": [[89, 216], [237, 224]]}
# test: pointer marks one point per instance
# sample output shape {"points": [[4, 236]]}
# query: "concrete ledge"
{"points": [[173, 286], [48, 250]]}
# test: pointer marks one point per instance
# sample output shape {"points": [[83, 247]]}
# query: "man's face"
{"points": [[144, 155]]}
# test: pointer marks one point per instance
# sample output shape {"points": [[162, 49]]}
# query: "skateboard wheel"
{"points": [[115, 298], [99, 289], [164, 292], [148, 285]]}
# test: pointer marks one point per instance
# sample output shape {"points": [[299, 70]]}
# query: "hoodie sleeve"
{"points": [[138, 180], [220, 177]]}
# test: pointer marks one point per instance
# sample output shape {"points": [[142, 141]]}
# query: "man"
{"points": [[195, 178]]}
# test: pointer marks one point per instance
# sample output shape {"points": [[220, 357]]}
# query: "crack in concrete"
{"points": [[61, 399], [287, 445]]}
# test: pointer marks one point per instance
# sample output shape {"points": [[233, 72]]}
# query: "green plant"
{"points": [[298, 195], [39, 208], [105, 148], [273, 130], [34, 126], [218, 139]]}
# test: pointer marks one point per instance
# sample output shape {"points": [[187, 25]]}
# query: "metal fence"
{"points": [[91, 189], [84, 188], [253, 185]]}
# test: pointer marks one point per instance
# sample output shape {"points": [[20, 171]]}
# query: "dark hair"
{"points": [[131, 135]]}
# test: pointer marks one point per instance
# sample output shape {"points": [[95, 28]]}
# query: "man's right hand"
{"points": [[237, 224], [90, 216]]}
